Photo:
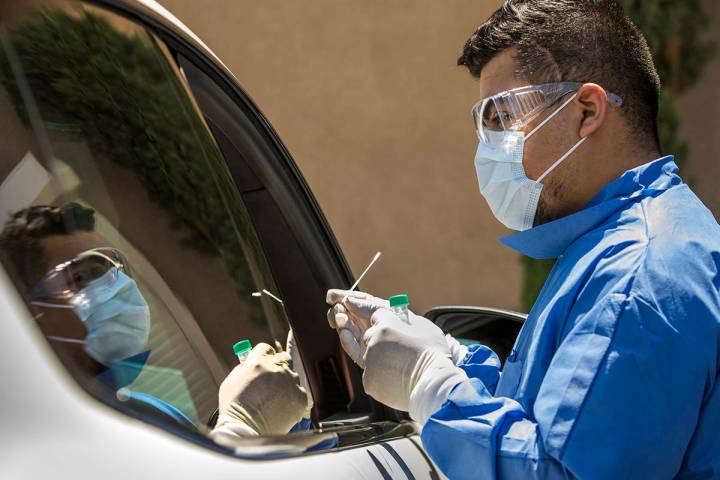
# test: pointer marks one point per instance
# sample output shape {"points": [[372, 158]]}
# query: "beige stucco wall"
{"points": [[700, 111], [369, 101], [367, 97]]}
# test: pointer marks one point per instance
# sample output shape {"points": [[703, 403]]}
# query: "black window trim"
{"points": [[301, 290], [285, 182], [319, 243]]}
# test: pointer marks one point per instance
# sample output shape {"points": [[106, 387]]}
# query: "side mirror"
{"points": [[494, 328]]}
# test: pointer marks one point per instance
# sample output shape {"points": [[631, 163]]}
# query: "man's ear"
{"points": [[592, 98]]}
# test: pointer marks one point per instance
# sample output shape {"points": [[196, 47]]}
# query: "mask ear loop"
{"points": [[56, 338], [569, 152], [50, 305]]}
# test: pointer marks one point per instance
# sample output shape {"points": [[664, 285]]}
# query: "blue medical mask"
{"points": [[115, 314], [511, 195]]}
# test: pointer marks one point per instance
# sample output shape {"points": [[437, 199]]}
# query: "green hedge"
{"points": [[116, 91], [674, 31]]}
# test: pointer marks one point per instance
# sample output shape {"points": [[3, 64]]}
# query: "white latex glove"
{"points": [[261, 396], [359, 306], [352, 318], [458, 351], [297, 365], [408, 366]]}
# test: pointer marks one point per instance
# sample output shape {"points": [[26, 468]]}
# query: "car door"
{"points": [[114, 111]]}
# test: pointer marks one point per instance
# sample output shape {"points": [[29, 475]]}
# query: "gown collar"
{"points": [[551, 239], [122, 373]]}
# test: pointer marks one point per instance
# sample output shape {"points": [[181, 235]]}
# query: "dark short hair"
{"points": [[19, 239], [574, 40]]}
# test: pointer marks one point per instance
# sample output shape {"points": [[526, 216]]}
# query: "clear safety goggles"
{"points": [[67, 279], [514, 109]]}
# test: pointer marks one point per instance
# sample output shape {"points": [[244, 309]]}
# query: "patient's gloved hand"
{"points": [[297, 365], [262, 396]]}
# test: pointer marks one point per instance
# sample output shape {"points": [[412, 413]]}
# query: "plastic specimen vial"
{"points": [[399, 306], [242, 349]]}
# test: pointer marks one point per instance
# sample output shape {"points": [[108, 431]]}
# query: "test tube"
{"points": [[399, 306], [242, 350]]}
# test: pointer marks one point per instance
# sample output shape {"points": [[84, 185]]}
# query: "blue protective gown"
{"points": [[615, 373]]}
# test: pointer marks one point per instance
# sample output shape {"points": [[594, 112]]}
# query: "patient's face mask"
{"points": [[114, 312]]}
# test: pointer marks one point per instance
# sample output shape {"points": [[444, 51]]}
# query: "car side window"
{"points": [[122, 228]]}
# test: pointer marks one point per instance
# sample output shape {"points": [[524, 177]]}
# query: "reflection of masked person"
{"points": [[115, 314], [84, 299], [83, 290]]}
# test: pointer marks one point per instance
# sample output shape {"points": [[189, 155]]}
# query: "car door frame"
{"points": [[74, 414], [296, 212]]}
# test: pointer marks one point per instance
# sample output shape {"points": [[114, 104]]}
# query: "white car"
{"points": [[117, 108]]}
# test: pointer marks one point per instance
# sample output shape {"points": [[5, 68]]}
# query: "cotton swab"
{"points": [[372, 262]]}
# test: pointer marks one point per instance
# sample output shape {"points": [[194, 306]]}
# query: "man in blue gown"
{"points": [[615, 372]]}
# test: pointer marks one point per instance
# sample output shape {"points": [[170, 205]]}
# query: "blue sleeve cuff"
{"points": [[303, 425], [482, 363]]}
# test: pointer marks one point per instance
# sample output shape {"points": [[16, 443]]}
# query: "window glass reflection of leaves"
{"points": [[112, 88]]}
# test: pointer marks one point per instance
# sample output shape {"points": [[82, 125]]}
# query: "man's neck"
{"points": [[610, 166]]}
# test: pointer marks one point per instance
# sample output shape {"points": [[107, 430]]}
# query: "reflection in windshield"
{"points": [[146, 125], [127, 233]]}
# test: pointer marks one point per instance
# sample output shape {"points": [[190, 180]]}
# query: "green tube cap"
{"points": [[242, 347], [399, 300]]}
